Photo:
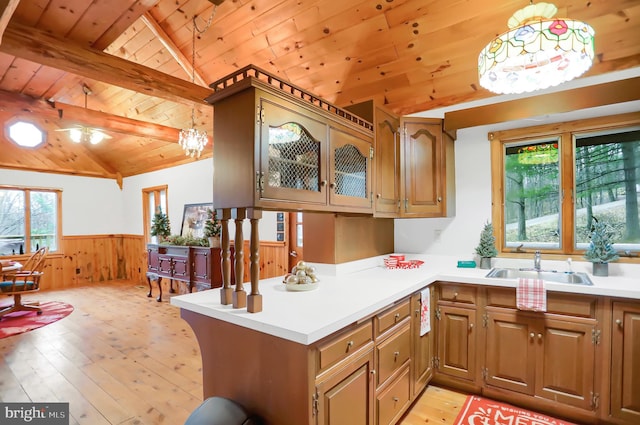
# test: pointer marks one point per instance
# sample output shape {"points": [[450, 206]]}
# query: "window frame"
{"points": [[147, 216], [27, 215], [566, 133]]}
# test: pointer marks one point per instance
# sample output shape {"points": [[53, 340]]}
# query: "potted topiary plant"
{"points": [[160, 226], [486, 249], [212, 229], [600, 251]]}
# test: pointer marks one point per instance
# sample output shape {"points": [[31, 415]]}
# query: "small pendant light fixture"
{"points": [[537, 52], [193, 140]]}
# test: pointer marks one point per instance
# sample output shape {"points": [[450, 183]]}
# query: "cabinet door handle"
{"points": [[373, 372], [439, 198], [540, 336], [619, 322], [349, 344], [470, 326], [323, 183], [396, 399], [378, 196], [396, 354], [532, 335]]}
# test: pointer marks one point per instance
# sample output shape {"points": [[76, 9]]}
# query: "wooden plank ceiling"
{"points": [[135, 56]]}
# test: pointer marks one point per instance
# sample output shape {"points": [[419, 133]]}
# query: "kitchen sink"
{"points": [[549, 275]]}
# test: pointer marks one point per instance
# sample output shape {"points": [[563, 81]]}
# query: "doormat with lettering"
{"points": [[482, 411]]}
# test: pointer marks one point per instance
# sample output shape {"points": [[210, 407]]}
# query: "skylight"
{"points": [[25, 134]]}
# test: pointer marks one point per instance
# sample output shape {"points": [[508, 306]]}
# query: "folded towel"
{"points": [[531, 295]]}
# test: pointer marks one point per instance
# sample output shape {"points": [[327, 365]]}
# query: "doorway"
{"points": [[295, 238]]}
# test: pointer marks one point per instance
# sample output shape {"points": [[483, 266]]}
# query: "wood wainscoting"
{"points": [[90, 259]]}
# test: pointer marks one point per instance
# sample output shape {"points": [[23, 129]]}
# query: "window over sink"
{"points": [[553, 182]]}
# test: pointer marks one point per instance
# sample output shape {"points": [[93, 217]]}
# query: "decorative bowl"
{"points": [[297, 287]]}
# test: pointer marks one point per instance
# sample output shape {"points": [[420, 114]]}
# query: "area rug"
{"points": [[482, 411], [24, 321]]}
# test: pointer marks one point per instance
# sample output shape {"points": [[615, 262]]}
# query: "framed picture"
{"points": [[280, 227], [280, 236], [193, 219], [280, 216]]}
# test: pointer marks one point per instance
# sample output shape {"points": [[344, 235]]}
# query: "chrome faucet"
{"points": [[536, 261]]}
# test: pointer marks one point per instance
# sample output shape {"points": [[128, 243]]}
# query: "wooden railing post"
{"points": [[239, 295], [225, 256], [254, 304]]}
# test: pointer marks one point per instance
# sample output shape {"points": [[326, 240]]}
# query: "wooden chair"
{"points": [[24, 281]]}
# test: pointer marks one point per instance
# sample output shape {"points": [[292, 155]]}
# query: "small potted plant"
{"points": [[600, 251], [160, 227], [212, 229], [486, 249]]}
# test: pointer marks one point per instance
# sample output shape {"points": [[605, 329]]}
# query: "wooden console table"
{"points": [[196, 266]]}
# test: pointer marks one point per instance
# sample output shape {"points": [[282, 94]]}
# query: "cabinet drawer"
{"points": [[389, 318], [338, 348], [557, 303], [393, 353], [394, 399], [457, 293], [571, 304]]}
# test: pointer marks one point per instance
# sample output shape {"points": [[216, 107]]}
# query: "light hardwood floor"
{"points": [[123, 358]]}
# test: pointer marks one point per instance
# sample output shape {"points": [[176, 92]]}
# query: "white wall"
{"points": [[93, 206], [90, 206]]}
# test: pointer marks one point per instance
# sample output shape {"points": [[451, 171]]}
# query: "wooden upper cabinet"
{"points": [[285, 149], [387, 158], [414, 164], [427, 169]]}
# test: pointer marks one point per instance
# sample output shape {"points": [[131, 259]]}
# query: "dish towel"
{"points": [[425, 314], [531, 295]]}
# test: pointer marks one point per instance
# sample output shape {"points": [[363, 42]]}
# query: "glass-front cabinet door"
{"points": [[349, 170], [293, 148]]}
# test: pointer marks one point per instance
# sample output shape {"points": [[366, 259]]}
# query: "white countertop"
{"points": [[349, 293]]}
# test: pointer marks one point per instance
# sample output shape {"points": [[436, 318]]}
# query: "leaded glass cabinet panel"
{"points": [[293, 147]]}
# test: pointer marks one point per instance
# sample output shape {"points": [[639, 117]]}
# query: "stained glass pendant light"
{"points": [[537, 52]]}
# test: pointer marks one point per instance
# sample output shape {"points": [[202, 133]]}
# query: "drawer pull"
{"points": [[396, 399], [349, 344], [397, 316], [373, 372], [396, 354], [455, 295]]}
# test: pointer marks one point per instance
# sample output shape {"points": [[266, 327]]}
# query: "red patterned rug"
{"points": [[482, 411], [24, 321]]}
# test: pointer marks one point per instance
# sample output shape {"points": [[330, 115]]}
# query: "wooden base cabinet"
{"points": [[625, 362], [537, 355], [457, 336], [345, 397], [422, 358]]}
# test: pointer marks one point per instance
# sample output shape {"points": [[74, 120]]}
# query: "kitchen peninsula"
{"points": [[353, 347]]}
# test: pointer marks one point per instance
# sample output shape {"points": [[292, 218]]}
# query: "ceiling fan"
{"points": [[84, 134]]}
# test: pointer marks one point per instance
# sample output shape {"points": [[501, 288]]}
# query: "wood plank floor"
{"points": [[123, 358]]}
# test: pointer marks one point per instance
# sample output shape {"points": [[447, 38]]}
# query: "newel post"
{"points": [[255, 298], [239, 295], [225, 256]]}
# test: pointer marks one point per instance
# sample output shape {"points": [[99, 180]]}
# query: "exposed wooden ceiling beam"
{"points": [[7, 7], [47, 49], [171, 47], [64, 114]]}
